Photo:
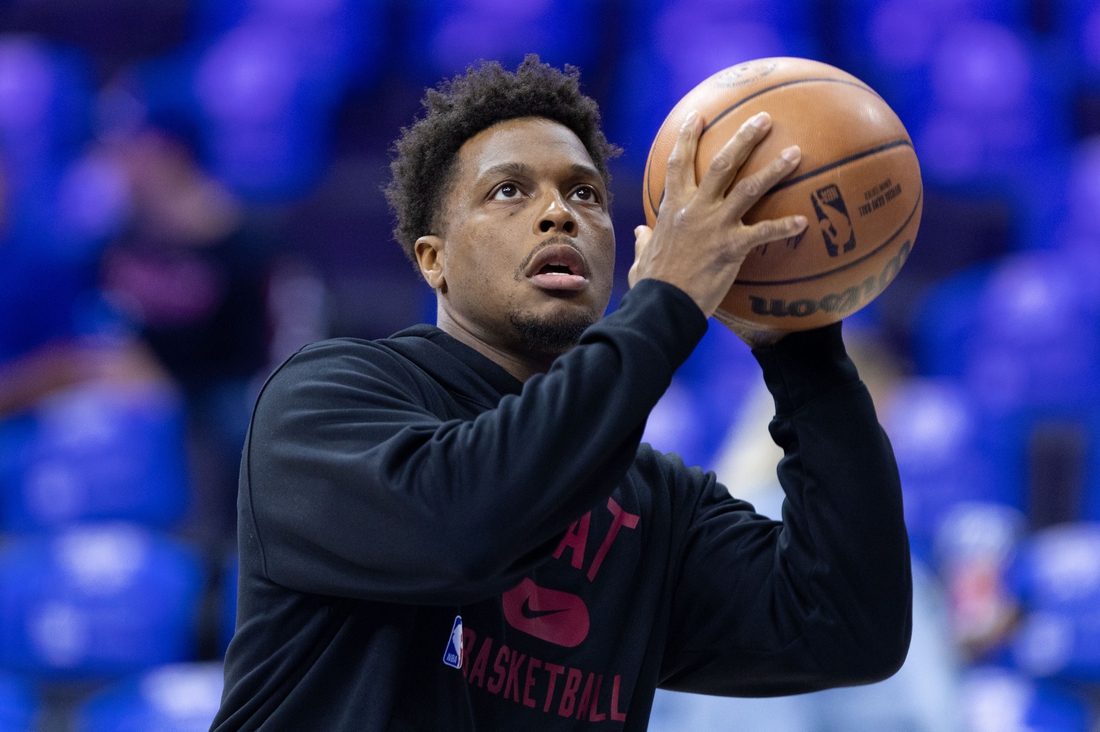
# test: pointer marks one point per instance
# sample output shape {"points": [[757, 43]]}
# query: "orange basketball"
{"points": [[858, 184]]}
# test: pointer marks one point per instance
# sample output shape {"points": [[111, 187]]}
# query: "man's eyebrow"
{"points": [[580, 169], [516, 169], [508, 170]]}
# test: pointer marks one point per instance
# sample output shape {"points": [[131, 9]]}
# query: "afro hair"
{"points": [[459, 109]]}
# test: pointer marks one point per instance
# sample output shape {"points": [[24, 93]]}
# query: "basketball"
{"points": [[858, 184]]}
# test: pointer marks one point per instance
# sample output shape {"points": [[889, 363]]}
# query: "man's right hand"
{"points": [[700, 241]]}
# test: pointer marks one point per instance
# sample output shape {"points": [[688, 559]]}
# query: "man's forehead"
{"points": [[532, 142]]}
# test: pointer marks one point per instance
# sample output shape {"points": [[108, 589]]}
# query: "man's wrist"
{"points": [[665, 315], [804, 365]]}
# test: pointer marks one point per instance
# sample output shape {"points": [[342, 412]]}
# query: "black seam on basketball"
{"points": [[849, 265], [649, 194], [649, 199], [727, 110], [792, 82], [836, 164]]}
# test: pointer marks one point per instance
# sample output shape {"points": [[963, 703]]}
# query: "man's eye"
{"points": [[586, 193], [506, 191]]}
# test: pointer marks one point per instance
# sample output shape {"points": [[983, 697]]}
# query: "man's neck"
{"points": [[521, 366]]}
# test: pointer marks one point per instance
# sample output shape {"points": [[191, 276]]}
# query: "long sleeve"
{"points": [[823, 598], [353, 486]]}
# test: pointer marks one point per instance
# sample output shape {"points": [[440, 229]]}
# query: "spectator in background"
{"points": [[193, 276], [34, 368], [186, 268]]}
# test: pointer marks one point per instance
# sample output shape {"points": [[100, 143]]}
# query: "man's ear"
{"points": [[429, 255]]}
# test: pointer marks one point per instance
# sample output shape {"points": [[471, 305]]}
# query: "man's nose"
{"points": [[556, 215]]}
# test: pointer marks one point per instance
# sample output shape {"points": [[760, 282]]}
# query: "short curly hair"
{"points": [[457, 110]]}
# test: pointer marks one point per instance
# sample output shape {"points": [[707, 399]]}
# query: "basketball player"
{"points": [[456, 528]]}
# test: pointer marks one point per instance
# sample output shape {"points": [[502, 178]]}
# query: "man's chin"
{"points": [[550, 335]]}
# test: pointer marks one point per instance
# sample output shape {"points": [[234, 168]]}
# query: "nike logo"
{"points": [[554, 616], [530, 613]]}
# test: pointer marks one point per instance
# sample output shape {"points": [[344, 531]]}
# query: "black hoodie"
{"points": [[429, 544]]}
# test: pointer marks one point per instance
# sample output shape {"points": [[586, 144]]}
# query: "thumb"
{"points": [[642, 235]]}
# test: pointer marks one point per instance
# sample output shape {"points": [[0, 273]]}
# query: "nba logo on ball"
{"points": [[832, 216]]}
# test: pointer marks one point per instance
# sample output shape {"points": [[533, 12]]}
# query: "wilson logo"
{"points": [[841, 302], [743, 74]]}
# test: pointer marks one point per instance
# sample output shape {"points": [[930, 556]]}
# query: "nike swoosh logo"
{"points": [[526, 611], [554, 616]]}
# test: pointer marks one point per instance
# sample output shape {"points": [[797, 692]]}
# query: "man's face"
{"points": [[526, 251]]}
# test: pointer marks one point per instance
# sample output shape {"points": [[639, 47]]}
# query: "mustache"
{"points": [[552, 241]]}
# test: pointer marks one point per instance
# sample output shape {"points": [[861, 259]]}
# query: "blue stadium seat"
{"points": [[1000, 700], [946, 322], [1037, 344], [45, 95], [95, 600], [95, 453], [994, 120], [46, 260], [93, 204], [1077, 25], [257, 89], [891, 43], [1083, 196], [1059, 568], [265, 132], [171, 698], [1059, 579], [448, 37], [38, 294], [51, 237], [936, 432], [992, 107], [19, 706], [335, 39], [1059, 644]]}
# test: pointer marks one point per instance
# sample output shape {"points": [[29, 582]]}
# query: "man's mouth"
{"points": [[558, 267]]}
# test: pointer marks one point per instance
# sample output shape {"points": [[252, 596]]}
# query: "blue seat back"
{"points": [[96, 600]]}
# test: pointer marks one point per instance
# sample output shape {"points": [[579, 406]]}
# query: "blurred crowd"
{"points": [[191, 190]]}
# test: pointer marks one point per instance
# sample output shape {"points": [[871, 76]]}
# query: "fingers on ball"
{"points": [[728, 161], [752, 188], [775, 230], [681, 161]]}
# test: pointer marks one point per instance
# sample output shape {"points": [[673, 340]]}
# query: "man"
{"points": [[456, 527]]}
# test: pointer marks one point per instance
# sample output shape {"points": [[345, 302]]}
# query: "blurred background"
{"points": [[191, 190]]}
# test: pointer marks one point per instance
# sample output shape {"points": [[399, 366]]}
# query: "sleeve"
{"points": [[764, 608], [356, 489]]}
